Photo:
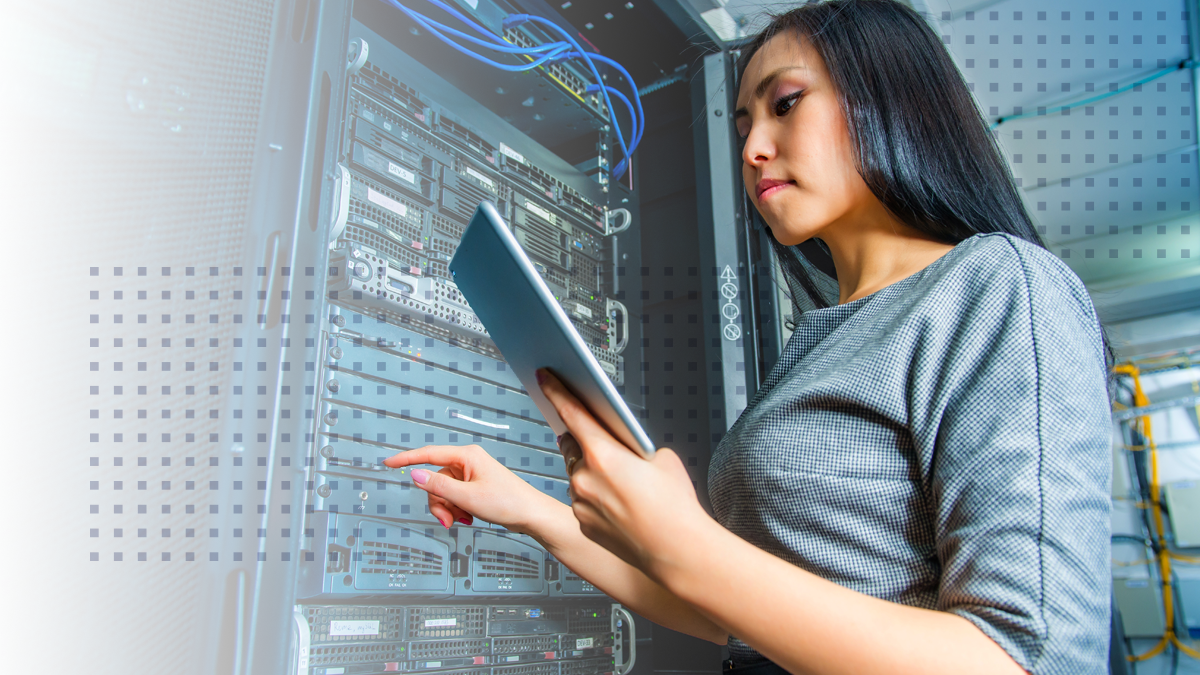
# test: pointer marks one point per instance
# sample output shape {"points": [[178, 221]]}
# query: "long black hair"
{"points": [[921, 144]]}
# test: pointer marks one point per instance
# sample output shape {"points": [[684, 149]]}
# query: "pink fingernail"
{"points": [[443, 523], [464, 521], [420, 476], [541, 376]]}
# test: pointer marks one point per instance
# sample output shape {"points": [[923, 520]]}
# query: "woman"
{"points": [[921, 484]]}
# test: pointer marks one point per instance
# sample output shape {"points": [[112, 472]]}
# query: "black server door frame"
{"points": [[251, 626], [741, 331]]}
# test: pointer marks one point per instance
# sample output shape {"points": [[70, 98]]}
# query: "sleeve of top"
{"points": [[1019, 478]]}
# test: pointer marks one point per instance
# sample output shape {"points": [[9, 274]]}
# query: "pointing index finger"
{"points": [[438, 455]]}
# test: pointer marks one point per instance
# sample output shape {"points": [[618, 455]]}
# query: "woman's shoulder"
{"points": [[997, 260], [1001, 274], [1003, 255]]}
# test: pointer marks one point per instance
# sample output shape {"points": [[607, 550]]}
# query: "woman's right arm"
{"points": [[558, 531], [473, 483]]}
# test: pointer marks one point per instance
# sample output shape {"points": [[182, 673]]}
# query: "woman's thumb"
{"points": [[667, 458]]}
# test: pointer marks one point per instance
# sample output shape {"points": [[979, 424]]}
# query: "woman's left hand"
{"points": [[623, 502]]}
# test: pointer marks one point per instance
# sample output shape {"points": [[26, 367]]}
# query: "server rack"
{"points": [[334, 339], [405, 144]]}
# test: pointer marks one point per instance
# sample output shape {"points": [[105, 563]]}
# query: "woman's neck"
{"points": [[876, 250]]}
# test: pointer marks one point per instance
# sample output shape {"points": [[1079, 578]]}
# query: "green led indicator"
{"points": [[593, 614]]}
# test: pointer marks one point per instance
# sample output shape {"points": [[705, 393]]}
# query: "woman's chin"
{"points": [[785, 236], [785, 232]]}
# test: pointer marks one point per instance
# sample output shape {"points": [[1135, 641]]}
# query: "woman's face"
{"points": [[797, 162]]}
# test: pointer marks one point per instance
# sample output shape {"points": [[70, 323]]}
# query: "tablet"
{"points": [[530, 328]]}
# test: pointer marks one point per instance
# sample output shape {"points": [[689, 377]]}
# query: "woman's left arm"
{"points": [[807, 624], [648, 514]]}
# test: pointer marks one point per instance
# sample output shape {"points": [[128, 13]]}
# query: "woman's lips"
{"points": [[768, 187]]}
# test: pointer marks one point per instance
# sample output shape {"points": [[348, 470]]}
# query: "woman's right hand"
{"points": [[472, 484]]}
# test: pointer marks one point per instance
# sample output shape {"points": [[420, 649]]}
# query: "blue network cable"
{"points": [[637, 98], [635, 111], [545, 54], [637, 124], [638, 118], [517, 19], [437, 28], [552, 54]]}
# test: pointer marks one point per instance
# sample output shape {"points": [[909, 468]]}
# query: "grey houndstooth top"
{"points": [[942, 443]]}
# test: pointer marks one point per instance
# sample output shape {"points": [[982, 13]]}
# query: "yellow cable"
{"points": [[1162, 555], [1196, 408], [1184, 648]]}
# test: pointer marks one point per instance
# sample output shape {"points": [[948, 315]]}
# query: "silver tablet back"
{"points": [[531, 329]]}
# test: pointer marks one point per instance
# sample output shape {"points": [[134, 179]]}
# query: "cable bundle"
{"points": [[566, 49]]}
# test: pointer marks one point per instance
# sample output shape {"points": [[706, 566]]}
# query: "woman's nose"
{"points": [[758, 149]]}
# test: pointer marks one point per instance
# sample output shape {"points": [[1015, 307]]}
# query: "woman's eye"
{"points": [[785, 103]]}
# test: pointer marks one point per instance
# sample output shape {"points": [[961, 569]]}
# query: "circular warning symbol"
{"points": [[732, 332], [730, 311], [729, 291]]}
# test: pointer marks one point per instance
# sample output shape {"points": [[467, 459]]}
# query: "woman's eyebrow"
{"points": [[763, 85]]}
